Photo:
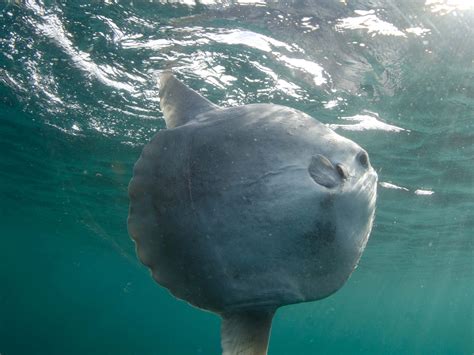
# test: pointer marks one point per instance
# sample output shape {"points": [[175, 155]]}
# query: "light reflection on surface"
{"points": [[418, 31], [389, 185], [443, 7], [368, 20], [419, 192], [312, 68], [310, 57], [366, 121], [200, 37], [423, 192], [248, 38], [52, 27]]}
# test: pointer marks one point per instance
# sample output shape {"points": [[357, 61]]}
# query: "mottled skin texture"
{"points": [[226, 214]]}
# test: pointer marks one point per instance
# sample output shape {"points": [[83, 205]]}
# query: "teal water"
{"points": [[79, 99]]}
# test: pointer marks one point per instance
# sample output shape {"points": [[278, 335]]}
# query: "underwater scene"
{"points": [[80, 98]]}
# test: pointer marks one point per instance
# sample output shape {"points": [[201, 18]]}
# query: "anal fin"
{"points": [[246, 332]]}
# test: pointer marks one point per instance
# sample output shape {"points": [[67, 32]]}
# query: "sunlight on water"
{"points": [[444, 7], [421, 192], [369, 21], [366, 121], [248, 38], [389, 185], [50, 26], [424, 192]]}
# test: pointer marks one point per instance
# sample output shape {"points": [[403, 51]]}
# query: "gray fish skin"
{"points": [[251, 207]]}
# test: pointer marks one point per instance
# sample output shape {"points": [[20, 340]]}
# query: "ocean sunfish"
{"points": [[242, 210]]}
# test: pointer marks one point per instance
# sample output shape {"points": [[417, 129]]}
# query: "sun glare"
{"points": [[448, 6]]}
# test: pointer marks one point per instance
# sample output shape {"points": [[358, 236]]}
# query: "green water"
{"points": [[79, 99]]}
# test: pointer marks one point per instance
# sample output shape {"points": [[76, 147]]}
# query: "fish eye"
{"points": [[341, 171], [363, 159]]}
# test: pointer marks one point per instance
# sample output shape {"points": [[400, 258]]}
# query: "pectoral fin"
{"points": [[323, 171]]}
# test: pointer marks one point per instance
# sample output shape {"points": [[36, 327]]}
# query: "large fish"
{"points": [[245, 209]]}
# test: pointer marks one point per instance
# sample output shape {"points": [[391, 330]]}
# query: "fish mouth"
{"points": [[370, 177], [367, 185], [325, 173]]}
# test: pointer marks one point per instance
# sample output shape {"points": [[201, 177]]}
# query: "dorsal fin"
{"points": [[179, 103]]}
